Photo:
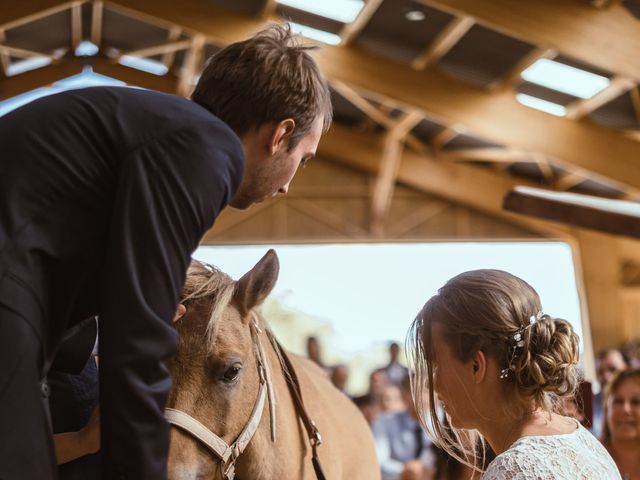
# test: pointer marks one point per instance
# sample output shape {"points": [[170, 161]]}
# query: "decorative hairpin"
{"points": [[516, 341]]}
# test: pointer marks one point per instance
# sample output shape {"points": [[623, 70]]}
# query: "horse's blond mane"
{"points": [[206, 281]]}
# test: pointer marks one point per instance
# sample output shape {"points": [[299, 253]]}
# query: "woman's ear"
{"points": [[180, 311], [479, 366]]}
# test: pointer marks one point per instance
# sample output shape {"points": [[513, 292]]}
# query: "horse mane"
{"points": [[204, 281]]}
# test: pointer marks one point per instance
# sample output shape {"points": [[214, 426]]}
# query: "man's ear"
{"points": [[180, 311], [281, 135], [479, 366]]}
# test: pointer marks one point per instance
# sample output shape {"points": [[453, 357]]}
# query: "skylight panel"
{"points": [[22, 66], [86, 49], [315, 34], [540, 104], [144, 64], [344, 11], [565, 78]]}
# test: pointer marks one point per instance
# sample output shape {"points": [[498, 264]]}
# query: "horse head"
{"points": [[218, 371]]}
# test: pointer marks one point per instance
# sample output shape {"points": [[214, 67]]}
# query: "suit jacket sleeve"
{"points": [[169, 192]]}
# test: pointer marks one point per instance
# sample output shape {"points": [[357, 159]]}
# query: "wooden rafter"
{"points": [[191, 66], [570, 180], [268, 9], [22, 52], [351, 30], [458, 183], [617, 86], [96, 22], [172, 36], [390, 162], [76, 24], [15, 14], [545, 167], [513, 76], [574, 28], [5, 60], [635, 101], [445, 41], [373, 113], [488, 154], [170, 47], [443, 137]]}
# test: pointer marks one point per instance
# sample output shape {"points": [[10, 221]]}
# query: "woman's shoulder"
{"points": [[563, 457]]}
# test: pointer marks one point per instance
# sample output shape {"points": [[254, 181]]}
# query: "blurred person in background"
{"points": [[621, 430], [608, 362], [404, 449], [369, 407], [340, 377], [395, 372]]}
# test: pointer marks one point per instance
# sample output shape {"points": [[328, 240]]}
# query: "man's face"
{"points": [[267, 174]]}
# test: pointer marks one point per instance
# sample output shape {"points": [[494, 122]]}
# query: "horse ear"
{"points": [[257, 283]]}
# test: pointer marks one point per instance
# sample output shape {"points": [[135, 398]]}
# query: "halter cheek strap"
{"points": [[228, 454]]}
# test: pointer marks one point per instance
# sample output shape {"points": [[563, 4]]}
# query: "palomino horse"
{"points": [[234, 413]]}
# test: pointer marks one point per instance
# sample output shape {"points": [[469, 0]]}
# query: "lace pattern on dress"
{"points": [[573, 456]]}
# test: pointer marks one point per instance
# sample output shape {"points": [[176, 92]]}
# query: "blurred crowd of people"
{"points": [[610, 409]]}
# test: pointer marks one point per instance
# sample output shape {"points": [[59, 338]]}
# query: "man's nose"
{"points": [[284, 189]]}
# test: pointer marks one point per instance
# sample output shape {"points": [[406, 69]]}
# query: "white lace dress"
{"points": [[573, 456]]}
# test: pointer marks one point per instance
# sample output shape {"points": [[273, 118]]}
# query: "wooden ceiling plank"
{"points": [[574, 28], [351, 30], [444, 42], [581, 108]]}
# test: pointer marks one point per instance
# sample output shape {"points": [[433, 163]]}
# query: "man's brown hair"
{"points": [[267, 78]]}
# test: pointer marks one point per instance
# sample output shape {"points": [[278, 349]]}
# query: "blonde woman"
{"points": [[621, 432], [483, 346]]}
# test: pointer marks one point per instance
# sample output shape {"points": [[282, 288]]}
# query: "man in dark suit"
{"points": [[104, 195]]}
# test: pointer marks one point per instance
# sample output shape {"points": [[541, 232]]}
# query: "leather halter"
{"points": [[228, 454]]}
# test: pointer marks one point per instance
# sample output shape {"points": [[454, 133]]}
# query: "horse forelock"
{"points": [[204, 281]]}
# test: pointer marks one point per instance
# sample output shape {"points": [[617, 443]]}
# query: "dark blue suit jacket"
{"points": [[104, 194]]}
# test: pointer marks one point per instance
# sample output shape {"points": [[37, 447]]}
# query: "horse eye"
{"points": [[231, 374]]}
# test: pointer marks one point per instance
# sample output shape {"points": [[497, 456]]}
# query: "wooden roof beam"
{"points": [[351, 30], [573, 27], [466, 185], [96, 22], [445, 41], [390, 162], [581, 108]]}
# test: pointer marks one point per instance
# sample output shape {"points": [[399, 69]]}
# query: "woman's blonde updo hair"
{"points": [[485, 310]]}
